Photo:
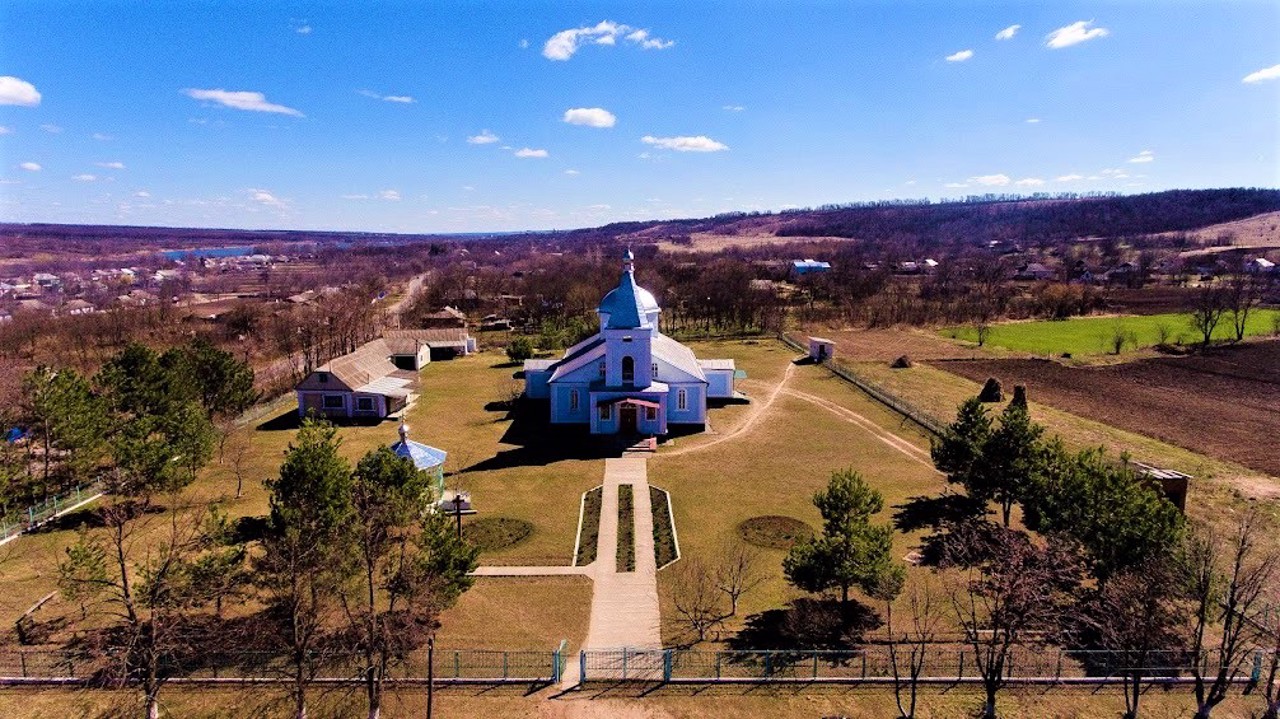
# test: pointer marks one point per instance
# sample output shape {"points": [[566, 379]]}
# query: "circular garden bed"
{"points": [[774, 531], [491, 534]]}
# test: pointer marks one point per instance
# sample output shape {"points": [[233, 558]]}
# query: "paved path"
{"points": [[624, 605]]}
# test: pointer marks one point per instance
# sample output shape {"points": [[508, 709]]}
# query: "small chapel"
{"points": [[629, 378]]}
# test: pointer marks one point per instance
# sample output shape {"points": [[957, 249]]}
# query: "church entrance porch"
{"points": [[628, 415]]}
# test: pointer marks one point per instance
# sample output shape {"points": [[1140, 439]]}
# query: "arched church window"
{"points": [[628, 370]]}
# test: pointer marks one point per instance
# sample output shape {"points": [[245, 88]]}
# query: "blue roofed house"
{"points": [[629, 378], [424, 457], [809, 267]]}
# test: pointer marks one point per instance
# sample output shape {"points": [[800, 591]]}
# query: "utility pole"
{"points": [[431, 672], [457, 512]]}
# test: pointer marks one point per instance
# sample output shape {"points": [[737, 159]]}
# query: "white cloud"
{"points": [[1070, 178], [303, 29], [111, 165], [1074, 34], [956, 185], [51, 129], [1029, 182], [590, 116], [241, 100], [6, 130], [143, 194], [1008, 33], [101, 137], [565, 43], [16, 91], [734, 108], [355, 197], [960, 56], [990, 180], [31, 166], [1144, 156], [392, 195], [529, 152], [697, 143], [1033, 120], [524, 44], [263, 197], [403, 99], [1266, 73], [572, 172], [484, 138], [85, 178]]}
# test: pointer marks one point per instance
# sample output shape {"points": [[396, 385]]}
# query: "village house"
{"points": [[809, 267], [380, 377], [447, 317], [362, 384], [629, 378]]}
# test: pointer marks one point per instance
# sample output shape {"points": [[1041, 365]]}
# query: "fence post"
{"points": [[582, 666], [555, 667], [666, 665], [717, 665], [504, 665], [815, 663], [768, 663], [864, 663], [1057, 674], [457, 665], [22, 659], [960, 670], [1256, 675]]}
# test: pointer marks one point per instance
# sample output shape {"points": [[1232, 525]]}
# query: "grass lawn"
{"points": [[776, 466], [1083, 336], [518, 613], [670, 702]]}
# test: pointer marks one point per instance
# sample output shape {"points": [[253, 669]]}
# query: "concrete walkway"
{"points": [[624, 606]]}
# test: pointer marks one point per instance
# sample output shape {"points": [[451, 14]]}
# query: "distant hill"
{"points": [[978, 220], [921, 224]]}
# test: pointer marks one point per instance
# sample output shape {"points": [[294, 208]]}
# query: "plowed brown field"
{"points": [[1224, 404]]}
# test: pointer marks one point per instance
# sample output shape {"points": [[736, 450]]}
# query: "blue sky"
{"points": [[374, 117]]}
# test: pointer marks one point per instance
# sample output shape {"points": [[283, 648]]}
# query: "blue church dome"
{"points": [[627, 306]]}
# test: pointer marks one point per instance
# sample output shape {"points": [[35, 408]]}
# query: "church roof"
{"points": [[628, 305], [423, 456]]}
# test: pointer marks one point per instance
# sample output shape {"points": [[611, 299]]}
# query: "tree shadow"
{"points": [[921, 512], [92, 518], [290, 420], [806, 624]]}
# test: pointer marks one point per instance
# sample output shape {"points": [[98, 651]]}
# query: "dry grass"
{"points": [[776, 466], [621, 702]]}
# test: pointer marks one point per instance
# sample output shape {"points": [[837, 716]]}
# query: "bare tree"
{"points": [[1244, 292], [909, 649], [1020, 592], [738, 572], [697, 600], [1210, 305], [1227, 582], [1269, 623]]}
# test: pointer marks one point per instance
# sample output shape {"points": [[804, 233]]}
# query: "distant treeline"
{"points": [[1035, 219]]}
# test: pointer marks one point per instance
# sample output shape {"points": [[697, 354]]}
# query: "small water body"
{"points": [[240, 251]]}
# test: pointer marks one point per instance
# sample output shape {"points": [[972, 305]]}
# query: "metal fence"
{"points": [[878, 393], [451, 666], [38, 514], [875, 664]]}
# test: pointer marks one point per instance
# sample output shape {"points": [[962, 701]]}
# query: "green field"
{"points": [[1093, 335]]}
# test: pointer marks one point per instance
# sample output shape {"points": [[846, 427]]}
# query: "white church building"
{"points": [[629, 378]]}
